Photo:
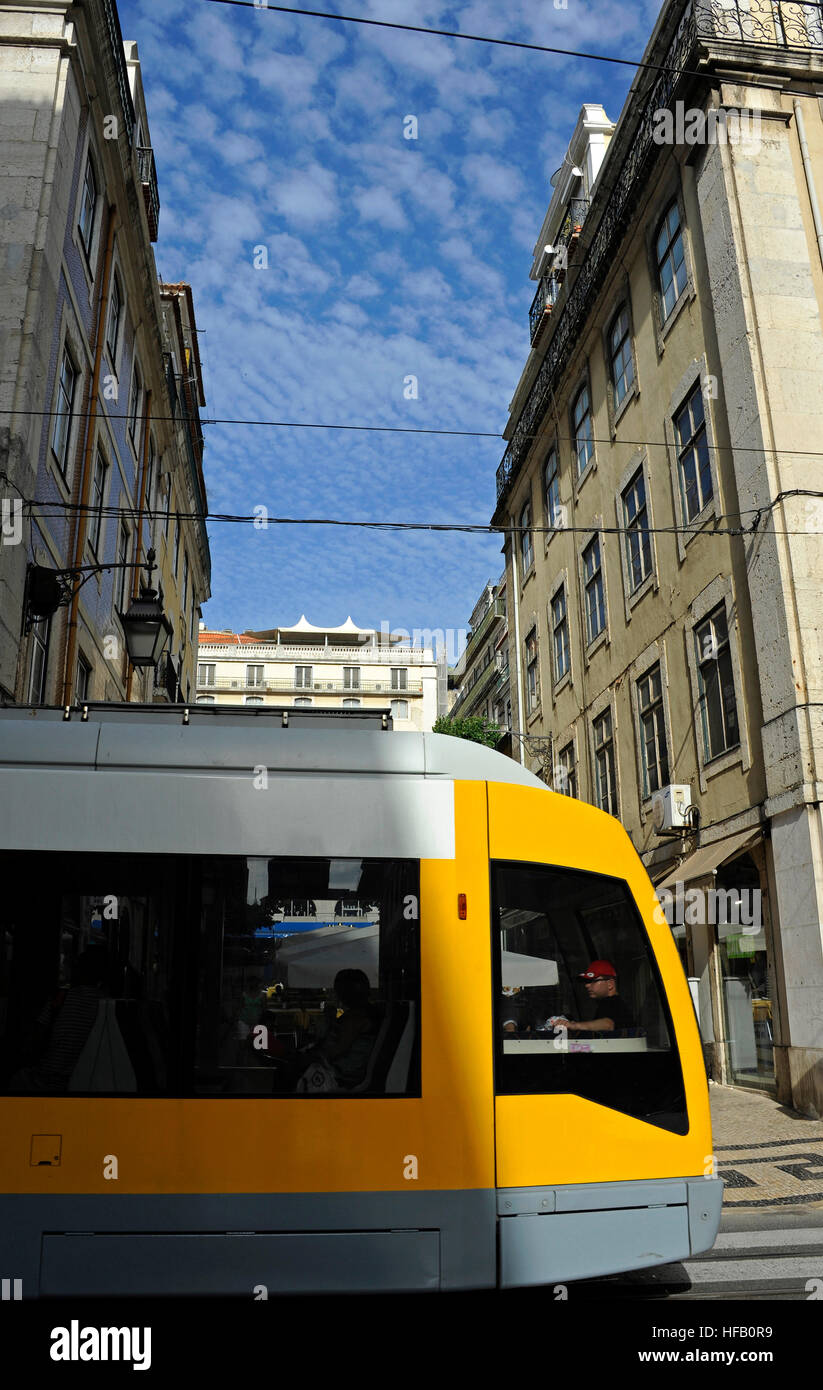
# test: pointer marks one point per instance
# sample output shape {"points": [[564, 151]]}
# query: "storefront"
{"points": [[716, 902]]}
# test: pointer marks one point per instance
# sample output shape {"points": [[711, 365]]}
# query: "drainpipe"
{"points": [[807, 165], [517, 661], [85, 481], [141, 507]]}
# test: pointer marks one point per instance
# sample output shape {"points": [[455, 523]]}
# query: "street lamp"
{"points": [[145, 625]]}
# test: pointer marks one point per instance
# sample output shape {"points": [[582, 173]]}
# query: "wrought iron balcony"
{"points": [[542, 304], [782, 23], [572, 224], [148, 178]]}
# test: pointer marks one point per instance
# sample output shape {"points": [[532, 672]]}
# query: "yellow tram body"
{"points": [[454, 1137]]}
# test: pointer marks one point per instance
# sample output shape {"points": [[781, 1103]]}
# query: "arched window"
{"points": [[302, 700], [620, 355], [400, 709], [582, 429], [350, 704], [526, 550], [671, 262]]}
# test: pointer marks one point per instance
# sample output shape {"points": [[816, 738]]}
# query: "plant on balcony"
{"points": [[476, 728]]}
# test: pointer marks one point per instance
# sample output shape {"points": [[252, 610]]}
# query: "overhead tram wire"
{"points": [[485, 38], [423, 429]]}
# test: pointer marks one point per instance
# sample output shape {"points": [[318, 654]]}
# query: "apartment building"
{"points": [[661, 490], [345, 667], [480, 678], [100, 384]]}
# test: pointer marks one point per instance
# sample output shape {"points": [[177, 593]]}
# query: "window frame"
{"points": [[112, 347], [660, 261], [551, 492], [560, 626], [691, 450], [701, 661], [608, 748], [96, 531], [633, 527], [656, 710], [576, 433], [627, 374], [63, 415], [531, 647], [525, 540], [87, 246], [597, 576]]}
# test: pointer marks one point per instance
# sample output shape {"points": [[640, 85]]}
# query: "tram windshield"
{"points": [[167, 975], [580, 1004]]}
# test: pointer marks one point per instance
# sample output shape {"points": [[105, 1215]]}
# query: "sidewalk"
{"points": [[769, 1156]]}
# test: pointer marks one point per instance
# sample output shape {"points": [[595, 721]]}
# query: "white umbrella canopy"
{"points": [[313, 958], [526, 972]]}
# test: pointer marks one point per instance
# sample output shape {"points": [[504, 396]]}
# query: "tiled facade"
{"points": [[100, 379]]}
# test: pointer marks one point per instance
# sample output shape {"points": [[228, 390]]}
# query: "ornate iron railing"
{"points": [[148, 178], [784, 23], [573, 221], [112, 24], [546, 298]]}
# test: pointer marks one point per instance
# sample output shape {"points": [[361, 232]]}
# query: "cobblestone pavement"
{"points": [[768, 1155]]}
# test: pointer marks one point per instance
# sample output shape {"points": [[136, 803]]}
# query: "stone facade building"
{"points": [[662, 490], [100, 384], [480, 679], [304, 666]]}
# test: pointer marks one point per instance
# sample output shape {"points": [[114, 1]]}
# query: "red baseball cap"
{"points": [[598, 967]]}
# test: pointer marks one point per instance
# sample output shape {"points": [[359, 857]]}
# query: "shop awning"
{"points": [[703, 862]]}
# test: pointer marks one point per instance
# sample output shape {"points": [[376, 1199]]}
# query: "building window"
{"points": [[671, 264], [302, 700], [113, 323], [595, 596], [350, 704], [638, 537], [98, 490], [566, 776], [560, 632], [168, 509], [205, 700], [526, 551], [718, 704], [254, 699], [176, 546], [620, 356], [88, 207], [582, 430], [124, 575], [351, 678], [532, 673], [66, 390], [185, 581], [206, 671], [399, 678], [254, 675], [400, 709], [653, 726], [694, 468], [551, 482], [39, 662], [83, 679], [134, 407], [302, 677], [605, 773]]}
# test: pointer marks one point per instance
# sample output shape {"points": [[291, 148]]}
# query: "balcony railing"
{"points": [[782, 23], [495, 610], [711, 25], [477, 686], [572, 224], [317, 687], [542, 304], [112, 24], [148, 178]]}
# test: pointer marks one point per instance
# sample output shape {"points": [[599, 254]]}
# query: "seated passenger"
{"points": [[348, 1042], [611, 1015], [515, 1014]]}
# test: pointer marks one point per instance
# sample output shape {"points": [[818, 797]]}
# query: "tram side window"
{"points": [[309, 978], [86, 1002], [580, 1006]]}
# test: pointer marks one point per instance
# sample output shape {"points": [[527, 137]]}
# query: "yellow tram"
{"points": [[280, 1013]]}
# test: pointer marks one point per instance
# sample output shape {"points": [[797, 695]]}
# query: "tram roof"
{"points": [[227, 738]]}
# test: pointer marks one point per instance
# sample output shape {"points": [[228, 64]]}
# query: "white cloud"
{"points": [[306, 195], [378, 205]]}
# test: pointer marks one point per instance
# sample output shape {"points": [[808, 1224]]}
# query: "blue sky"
{"points": [[387, 258]]}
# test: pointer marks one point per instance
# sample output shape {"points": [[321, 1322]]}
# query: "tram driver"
{"points": [[611, 1014]]}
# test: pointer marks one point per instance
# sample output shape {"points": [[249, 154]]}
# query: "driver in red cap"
{"points": [[610, 1012]]}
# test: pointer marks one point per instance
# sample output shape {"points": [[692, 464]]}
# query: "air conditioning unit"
{"points": [[671, 807]]}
